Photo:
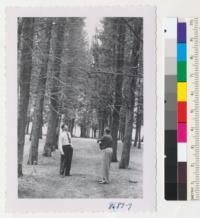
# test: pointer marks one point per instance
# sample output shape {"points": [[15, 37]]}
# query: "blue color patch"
{"points": [[181, 52]]}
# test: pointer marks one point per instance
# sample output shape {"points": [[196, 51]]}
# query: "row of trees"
{"points": [[61, 79], [118, 81]]}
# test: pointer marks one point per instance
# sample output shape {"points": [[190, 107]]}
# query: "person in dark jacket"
{"points": [[105, 143]]}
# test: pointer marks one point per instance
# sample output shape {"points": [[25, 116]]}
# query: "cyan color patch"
{"points": [[181, 52]]}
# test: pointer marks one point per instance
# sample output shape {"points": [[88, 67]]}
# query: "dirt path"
{"points": [[43, 180]]}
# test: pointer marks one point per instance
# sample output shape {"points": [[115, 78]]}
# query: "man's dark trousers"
{"points": [[66, 160]]}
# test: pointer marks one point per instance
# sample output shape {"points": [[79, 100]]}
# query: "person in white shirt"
{"points": [[66, 150]]}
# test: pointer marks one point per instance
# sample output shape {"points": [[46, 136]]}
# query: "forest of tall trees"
{"points": [[64, 78]]}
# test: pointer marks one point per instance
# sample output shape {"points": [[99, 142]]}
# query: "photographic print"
{"points": [[80, 107], [88, 88]]}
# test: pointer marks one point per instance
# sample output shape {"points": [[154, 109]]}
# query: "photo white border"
{"points": [[148, 202]]}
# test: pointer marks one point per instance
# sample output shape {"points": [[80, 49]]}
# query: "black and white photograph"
{"points": [[85, 89], [81, 103], [80, 107]]}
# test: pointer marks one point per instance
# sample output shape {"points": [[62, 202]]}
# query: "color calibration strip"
{"points": [[175, 110], [181, 111], [170, 37]]}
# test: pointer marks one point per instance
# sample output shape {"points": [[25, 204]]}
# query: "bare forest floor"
{"points": [[43, 180]]}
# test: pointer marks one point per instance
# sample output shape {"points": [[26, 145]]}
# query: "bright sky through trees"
{"points": [[91, 24]]}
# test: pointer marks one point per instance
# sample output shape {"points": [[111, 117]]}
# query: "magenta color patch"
{"points": [[182, 132]]}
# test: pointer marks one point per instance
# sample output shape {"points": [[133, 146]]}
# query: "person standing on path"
{"points": [[105, 143], [66, 150]]}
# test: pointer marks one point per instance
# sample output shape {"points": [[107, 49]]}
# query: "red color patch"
{"points": [[182, 112]]}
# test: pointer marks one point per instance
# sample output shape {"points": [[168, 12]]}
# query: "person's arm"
{"points": [[70, 138], [60, 144], [101, 139]]}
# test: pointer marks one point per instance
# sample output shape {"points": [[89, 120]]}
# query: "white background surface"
{"points": [[178, 8], [149, 154]]}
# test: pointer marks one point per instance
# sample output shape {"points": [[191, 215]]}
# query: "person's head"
{"points": [[107, 130], [64, 127]]}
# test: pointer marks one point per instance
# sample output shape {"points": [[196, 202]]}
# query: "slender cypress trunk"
{"points": [[130, 96], [101, 122], [41, 126], [57, 133], [24, 85], [137, 127], [118, 84], [137, 142], [124, 162], [101, 127], [72, 126], [136, 138], [139, 137], [30, 137], [19, 48], [54, 99], [87, 132], [83, 131], [38, 110], [95, 132], [27, 126]]}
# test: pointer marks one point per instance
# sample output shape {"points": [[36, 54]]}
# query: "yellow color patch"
{"points": [[182, 91]]}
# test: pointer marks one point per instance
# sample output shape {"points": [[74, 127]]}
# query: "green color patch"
{"points": [[182, 69]]}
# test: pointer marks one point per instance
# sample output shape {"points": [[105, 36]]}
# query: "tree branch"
{"points": [[132, 30]]}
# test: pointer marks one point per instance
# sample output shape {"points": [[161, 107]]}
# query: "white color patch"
{"points": [[182, 152], [170, 28]]}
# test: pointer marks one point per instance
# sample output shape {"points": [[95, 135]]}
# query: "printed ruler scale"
{"points": [[182, 109], [193, 149]]}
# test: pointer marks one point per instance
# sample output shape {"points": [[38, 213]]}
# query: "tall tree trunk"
{"points": [[57, 133], [41, 126], [83, 131], [30, 137], [122, 121], [110, 119], [38, 110], [88, 132], [140, 113], [101, 124], [118, 83], [72, 126], [19, 47], [130, 96], [137, 127], [137, 141], [139, 137], [124, 162], [24, 85], [95, 132], [136, 137], [54, 99], [121, 133], [102, 115], [101, 127], [27, 125]]}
